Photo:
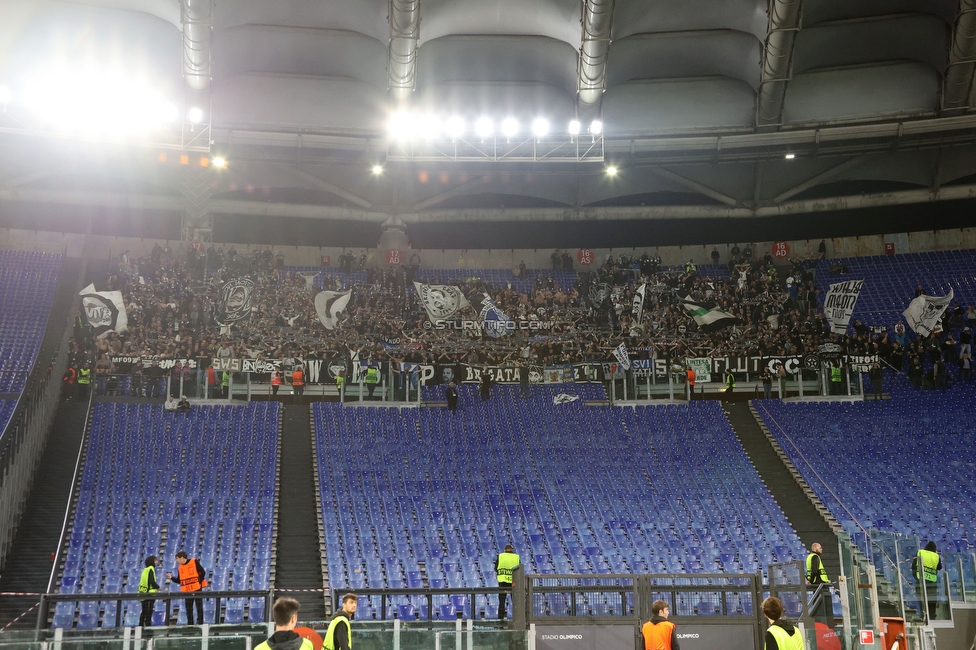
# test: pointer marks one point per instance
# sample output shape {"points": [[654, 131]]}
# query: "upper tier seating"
{"points": [[890, 281], [574, 488], [155, 483], [27, 284], [6, 410], [904, 465]]}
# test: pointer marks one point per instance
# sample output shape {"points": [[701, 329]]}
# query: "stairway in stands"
{"points": [[28, 566], [801, 512], [298, 561]]}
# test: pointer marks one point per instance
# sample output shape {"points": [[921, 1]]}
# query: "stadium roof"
{"points": [[709, 108]]}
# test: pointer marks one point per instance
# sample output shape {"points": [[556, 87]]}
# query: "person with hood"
{"points": [[659, 633], [148, 585], [781, 634], [339, 634], [285, 614]]}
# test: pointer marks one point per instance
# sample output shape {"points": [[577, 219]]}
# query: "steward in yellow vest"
{"points": [[339, 634], [285, 614]]}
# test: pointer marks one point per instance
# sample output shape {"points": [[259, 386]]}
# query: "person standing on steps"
{"points": [[505, 565], [925, 568], [767, 384], [339, 634], [659, 633], [452, 396], [285, 614], [148, 585], [690, 377], [816, 573], [275, 380], [729, 384], [191, 578], [84, 381], [485, 385], [372, 378]]}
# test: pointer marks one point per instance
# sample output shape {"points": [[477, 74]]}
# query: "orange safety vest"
{"points": [[276, 378], [657, 636], [190, 580], [297, 379], [691, 377]]}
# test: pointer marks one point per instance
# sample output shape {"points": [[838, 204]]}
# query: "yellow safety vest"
{"points": [[506, 565], [329, 642], [786, 641], [84, 376], [928, 560], [821, 577]]}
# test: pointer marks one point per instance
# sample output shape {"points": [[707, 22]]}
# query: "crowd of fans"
{"points": [[170, 302]]}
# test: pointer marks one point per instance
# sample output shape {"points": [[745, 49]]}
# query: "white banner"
{"points": [[621, 353], [329, 305], [924, 312], [104, 310], [839, 304], [564, 398], [235, 301], [702, 367], [440, 301]]}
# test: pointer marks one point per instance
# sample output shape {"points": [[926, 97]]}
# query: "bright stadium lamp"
{"points": [[574, 127], [596, 127], [790, 156], [429, 127], [454, 127], [484, 127], [195, 115], [401, 126], [377, 170], [510, 127], [540, 127], [5, 95], [219, 162], [612, 170]]}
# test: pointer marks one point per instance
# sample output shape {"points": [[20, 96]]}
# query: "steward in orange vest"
{"points": [[659, 632], [191, 578]]}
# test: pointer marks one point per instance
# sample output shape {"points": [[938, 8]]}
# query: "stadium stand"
{"points": [[6, 410], [154, 483], [428, 498], [27, 284], [871, 463]]}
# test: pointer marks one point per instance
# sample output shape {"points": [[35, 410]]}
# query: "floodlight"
{"points": [[5, 95], [401, 125], [195, 115], [510, 127], [596, 127], [611, 170], [790, 156], [168, 113], [454, 127], [220, 162], [484, 127], [377, 170], [574, 127], [540, 127]]}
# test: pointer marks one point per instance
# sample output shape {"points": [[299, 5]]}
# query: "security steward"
{"points": [[191, 578], [927, 561], [285, 614], [339, 634], [84, 380], [225, 384], [148, 585], [729, 383], [659, 633], [816, 573], [781, 634], [340, 381], [68, 383], [690, 378], [505, 565], [275, 381], [836, 378], [372, 378], [298, 381]]}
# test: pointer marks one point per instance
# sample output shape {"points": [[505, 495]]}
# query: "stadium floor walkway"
{"points": [[298, 564], [29, 563], [799, 510]]}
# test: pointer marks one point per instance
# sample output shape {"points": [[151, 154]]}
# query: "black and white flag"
{"points": [[104, 310], [440, 301], [924, 312], [839, 304], [709, 316], [622, 356], [564, 398], [329, 305], [494, 322], [235, 301], [638, 308]]}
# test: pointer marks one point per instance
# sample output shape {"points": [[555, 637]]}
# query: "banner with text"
{"points": [[839, 304]]}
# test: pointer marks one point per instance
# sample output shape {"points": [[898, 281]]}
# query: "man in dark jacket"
{"points": [[339, 634], [876, 376], [285, 613]]}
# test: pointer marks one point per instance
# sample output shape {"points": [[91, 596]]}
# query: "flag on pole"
{"points": [[622, 356], [924, 312], [638, 309], [709, 316], [104, 310], [329, 305]]}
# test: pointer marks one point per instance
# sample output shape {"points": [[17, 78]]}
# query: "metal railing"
{"points": [[389, 610]]}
